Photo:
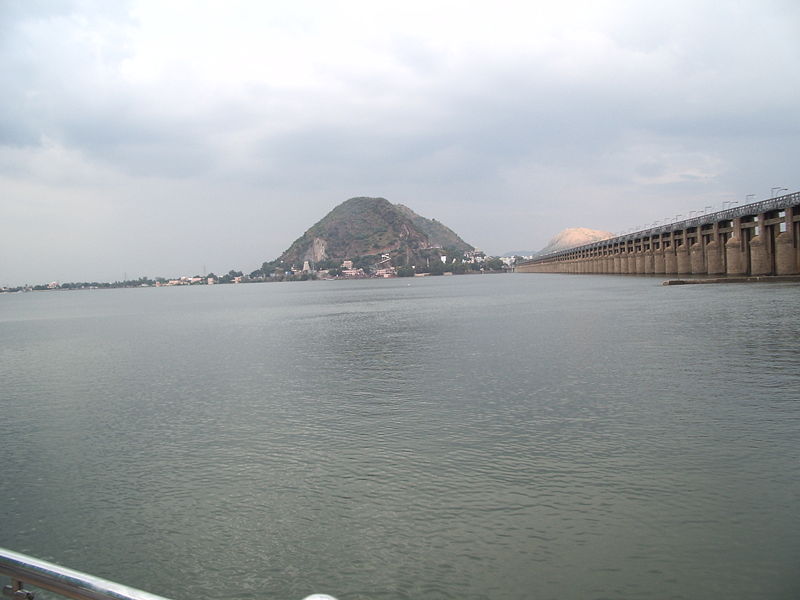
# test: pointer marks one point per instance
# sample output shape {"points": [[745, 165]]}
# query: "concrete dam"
{"points": [[762, 238]]}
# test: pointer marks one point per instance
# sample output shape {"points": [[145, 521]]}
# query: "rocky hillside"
{"points": [[362, 227], [575, 236], [438, 234]]}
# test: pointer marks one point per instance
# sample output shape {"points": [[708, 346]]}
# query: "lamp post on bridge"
{"points": [[778, 189]]}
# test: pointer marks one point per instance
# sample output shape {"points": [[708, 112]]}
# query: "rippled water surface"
{"points": [[499, 437]]}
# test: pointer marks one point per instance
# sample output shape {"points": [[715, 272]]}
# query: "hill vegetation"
{"points": [[362, 229], [438, 234]]}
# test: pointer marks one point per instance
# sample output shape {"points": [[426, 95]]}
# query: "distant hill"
{"points": [[575, 236], [361, 227]]}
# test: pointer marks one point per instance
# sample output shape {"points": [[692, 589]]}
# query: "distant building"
{"points": [[353, 273], [387, 272]]}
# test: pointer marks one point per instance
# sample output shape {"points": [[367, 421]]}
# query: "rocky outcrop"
{"points": [[573, 237], [361, 227]]}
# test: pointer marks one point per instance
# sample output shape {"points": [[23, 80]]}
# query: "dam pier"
{"points": [[762, 238]]}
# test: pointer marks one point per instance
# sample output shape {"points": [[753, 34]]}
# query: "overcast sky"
{"points": [[163, 137]]}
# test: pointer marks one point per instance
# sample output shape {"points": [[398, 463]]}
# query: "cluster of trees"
{"points": [[425, 262], [422, 261], [278, 271], [229, 277], [85, 285], [457, 268]]}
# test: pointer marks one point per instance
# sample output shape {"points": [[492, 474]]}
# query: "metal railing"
{"points": [[772, 204], [23, 569]]}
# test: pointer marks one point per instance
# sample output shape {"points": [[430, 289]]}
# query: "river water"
{"points": [[498, 437]]}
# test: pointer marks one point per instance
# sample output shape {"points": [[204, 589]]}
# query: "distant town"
{"points": [[451, 263], [360, 238]]}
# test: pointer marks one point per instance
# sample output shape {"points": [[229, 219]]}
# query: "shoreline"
{"points": [[743, 279]]}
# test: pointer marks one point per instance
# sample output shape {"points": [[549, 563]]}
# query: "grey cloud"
{"points": [[489, 118], [522, 134], [45, 73]]}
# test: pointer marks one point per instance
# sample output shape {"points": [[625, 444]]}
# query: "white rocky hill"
{"points": [[572, 237]]}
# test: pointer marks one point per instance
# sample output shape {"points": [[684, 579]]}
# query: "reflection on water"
{"points": [[470, 437]]}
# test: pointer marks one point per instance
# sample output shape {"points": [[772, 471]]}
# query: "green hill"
{"points": [[438, 234], [370, 227]]}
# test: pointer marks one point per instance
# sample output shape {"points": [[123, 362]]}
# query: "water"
{"points": [[503, 437]]}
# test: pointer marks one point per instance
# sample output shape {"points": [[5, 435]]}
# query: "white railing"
{"points": [[23, 569]]}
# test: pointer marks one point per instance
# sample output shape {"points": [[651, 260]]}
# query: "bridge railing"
{"points": [[23, 569], [771, 204]]}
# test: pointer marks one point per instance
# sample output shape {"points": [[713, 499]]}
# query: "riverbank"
{"points": [[750, 279]]}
